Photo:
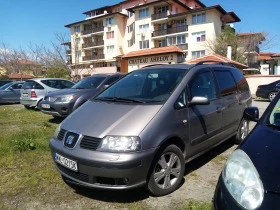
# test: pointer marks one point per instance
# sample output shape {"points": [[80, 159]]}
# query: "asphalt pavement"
{"points": [[262, 105]]}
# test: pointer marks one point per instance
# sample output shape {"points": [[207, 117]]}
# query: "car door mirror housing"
{"points": [[199, 100], [251, 113]]}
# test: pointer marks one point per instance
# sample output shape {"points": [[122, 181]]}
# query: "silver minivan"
{"points": [[34, 90], [145, 127]]}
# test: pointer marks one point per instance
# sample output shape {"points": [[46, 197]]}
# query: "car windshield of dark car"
{"points": [[274, 116], [144, 86], [5, 86], [89, 83]]}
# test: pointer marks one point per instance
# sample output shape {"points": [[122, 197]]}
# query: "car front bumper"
{"points": [[57, 109], [29, 102], [103, 170]]}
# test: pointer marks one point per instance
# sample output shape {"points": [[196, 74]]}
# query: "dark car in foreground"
{"points": [[3, 82], [250, 178], [268, 91], [142, 130], [61, 103], [10, 92]]}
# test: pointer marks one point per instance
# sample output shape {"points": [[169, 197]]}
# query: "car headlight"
{"points": [[242, 180], [56, 132], [65, 99], [120, 144]]}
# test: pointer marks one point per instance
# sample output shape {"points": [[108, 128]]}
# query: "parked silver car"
{"points": [[10, 92], [146, 126], [34, 90]]}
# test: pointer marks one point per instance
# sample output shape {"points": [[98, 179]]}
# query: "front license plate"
{"points": [[45, 106], [71, 164]]}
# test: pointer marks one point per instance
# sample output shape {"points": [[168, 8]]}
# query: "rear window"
{"points": [[240, 80], [31, 84]]}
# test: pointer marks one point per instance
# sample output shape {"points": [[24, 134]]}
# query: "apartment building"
{"points": [[136, 33]]}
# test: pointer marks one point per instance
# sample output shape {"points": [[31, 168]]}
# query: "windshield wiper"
{"points": [[117, 99]]}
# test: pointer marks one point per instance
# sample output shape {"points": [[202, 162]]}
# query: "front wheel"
{"points": [[167, 171], [272, 95], [242, 132]]}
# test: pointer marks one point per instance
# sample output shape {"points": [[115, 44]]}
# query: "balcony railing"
{"points": [[159, 16], [68, 52], [183, 46], [93, 57], [170, 31], [93, 44], [93, 30]]}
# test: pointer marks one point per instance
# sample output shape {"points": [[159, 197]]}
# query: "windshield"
{"points": [[144, 86], [5, 86], [89, 83], [274, 116]]}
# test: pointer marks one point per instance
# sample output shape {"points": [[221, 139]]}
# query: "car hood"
{"points": [[263, 148], [98, 119], [70, 91]]}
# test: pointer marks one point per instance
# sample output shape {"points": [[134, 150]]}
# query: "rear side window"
{"points": [[65, 84], [32, 85], [240, 80], [52, 83], [226, 83]]}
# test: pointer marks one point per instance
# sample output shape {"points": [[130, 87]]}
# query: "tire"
{"points": [[27, 107], [167, 171], [242, 132], [272, 95]]}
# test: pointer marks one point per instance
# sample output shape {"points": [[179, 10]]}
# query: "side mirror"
{"points": [[199, 100], [251, 113]]}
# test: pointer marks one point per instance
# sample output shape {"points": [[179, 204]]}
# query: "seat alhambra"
{"points": [[144, 128]]}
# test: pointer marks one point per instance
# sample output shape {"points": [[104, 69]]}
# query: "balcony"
{"points": [[93, 57], [93, 30], [170, 31], [159, 16], [68, 52], [183, 46], [93, 44]]}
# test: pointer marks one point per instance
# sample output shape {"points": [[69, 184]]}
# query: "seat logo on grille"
{"points": [[69, 140]]}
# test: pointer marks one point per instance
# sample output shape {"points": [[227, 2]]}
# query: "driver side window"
{"points": [[203, 85]]}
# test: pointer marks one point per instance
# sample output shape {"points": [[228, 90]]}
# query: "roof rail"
{"points": [[159, 64], [213, 61]]}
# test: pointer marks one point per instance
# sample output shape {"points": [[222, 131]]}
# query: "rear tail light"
{"points": [[33, 94]]}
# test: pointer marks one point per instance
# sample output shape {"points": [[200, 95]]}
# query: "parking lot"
{"points": [[200, 179]]}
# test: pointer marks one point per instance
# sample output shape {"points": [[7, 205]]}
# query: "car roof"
{"points": [[39, 79]]}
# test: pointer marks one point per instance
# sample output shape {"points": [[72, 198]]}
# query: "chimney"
{"points": [[229, 52]]}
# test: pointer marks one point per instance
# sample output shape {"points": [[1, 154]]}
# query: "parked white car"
{"points": [[34, 90]]}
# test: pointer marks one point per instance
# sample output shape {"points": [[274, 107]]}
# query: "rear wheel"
{"points": [[242, 132], [272, 95], [167, 171]]}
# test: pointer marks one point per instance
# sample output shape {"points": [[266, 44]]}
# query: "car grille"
{"points": [[90, 143], [61, 134], [76, 175]]}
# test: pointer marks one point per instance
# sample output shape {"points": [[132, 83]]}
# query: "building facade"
{"points": [[122, 37], [269, 63]]}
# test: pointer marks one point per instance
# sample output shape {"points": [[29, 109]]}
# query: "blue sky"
{"points": [[36, 21]]}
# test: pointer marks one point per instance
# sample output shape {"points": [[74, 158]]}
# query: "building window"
{"points": [[130, 28], [110, 49], [162, 10], [199, 18], [198, 54], [174, 40], [109, 21], [182, 22], [162, 43], [143, 28], [110, 35], [131, 42], [144, 44], [130, 14], [143, 12], [199, 36], [77, 29]]}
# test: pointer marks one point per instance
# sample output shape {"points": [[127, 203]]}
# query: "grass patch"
{"points": [[196, 205]]}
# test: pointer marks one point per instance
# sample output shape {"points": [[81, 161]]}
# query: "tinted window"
{"points": [[226, 82], [89, 82], [16, 86], [203, 85], [65, 84], [5, 86], [240, 80], [111, 80], [30, 84], [274, 116]]}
